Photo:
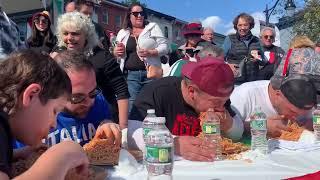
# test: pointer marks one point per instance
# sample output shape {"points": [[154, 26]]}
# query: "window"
{"points": [[166, 32], [22, 25], [177, 33], [105, 17], [118, 21]]}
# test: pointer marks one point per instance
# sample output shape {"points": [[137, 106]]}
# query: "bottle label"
{"points": [[258, 124], [316, 120], [158, 154], [210, 128], [146, 131]]}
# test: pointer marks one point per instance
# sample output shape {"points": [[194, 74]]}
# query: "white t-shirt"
{"points": [[246, 97]]}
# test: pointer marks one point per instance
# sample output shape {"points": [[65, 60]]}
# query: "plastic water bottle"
{"points": [[148, 123], [211, 132], [159, 151], [316, 123], [258, 125]]}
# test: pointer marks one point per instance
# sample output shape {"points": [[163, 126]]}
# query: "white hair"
{"points": [[208, 28], [76, 21], [270, 29]]}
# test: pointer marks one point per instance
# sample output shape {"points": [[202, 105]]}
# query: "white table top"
{"points": [[279, 164]]}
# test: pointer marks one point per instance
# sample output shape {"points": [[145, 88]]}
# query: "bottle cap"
{"points": [[151, 111]]}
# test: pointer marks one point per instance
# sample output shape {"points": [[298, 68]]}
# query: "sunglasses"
{"points": [[79, 98], [44, 21], [136, 14], [192, 52], [267, 37]]}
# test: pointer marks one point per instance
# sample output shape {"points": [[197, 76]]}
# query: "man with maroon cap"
{"points": [[205, 84]]}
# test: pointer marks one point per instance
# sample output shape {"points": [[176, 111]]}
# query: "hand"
{"points": [[255, 55], [143, 53], [58, 160], [110, 131], [276, 124], [194, 148], [225, 120], [235, 69], [119, 50]]}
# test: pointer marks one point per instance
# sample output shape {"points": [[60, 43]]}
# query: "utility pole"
{"points": [[268, 12]]}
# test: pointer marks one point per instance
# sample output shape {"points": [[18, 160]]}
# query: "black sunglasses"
{"points": [[79, 98], [136, 14], [37, 21], [267, 36], [191, 52]]}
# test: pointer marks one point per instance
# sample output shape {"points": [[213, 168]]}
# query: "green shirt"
{"points": [[177, 67]]}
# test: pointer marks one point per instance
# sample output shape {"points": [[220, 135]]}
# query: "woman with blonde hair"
{"points": [[301, 41], [75, 31]]}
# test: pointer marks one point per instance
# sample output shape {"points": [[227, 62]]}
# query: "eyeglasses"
{"points": [[267, 37], [79, 98], [136, 14], [192, 52], [44, 21]]}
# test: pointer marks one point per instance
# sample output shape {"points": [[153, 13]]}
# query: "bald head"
{"points": [[70, 7]]}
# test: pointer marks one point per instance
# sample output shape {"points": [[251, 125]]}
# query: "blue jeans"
{"points": [[136, 80]]}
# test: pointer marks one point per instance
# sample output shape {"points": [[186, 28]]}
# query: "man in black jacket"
{"points": [[87, 7], [273, 53]]}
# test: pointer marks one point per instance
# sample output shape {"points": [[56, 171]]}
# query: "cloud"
{"points": [[211, 21], [256, 30]]}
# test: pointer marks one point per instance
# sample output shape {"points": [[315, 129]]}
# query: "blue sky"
{"points": [[216, 13]]}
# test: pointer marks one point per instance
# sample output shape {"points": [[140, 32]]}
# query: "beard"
{"points": [[80, 112]]}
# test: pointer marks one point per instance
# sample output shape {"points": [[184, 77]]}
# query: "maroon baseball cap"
{"points": [[211, 75]]}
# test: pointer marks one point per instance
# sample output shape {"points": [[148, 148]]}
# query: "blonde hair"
{"points": [[300, 41], [78, 22]]}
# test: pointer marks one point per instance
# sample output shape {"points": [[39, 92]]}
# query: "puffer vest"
{"points": [[238, 52]]}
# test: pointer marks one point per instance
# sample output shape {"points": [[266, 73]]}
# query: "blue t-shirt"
{"points": [[79, 130]]}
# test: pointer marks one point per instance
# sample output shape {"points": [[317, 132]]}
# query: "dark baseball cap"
{"points": [[211, 75], [300, 91]]}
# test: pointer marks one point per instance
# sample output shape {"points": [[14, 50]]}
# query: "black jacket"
{"points": [[109, 76], [103, 37], [239, 52], [269, 69], [42, 45]]}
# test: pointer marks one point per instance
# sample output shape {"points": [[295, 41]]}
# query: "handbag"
{"points": [[153, 72]]}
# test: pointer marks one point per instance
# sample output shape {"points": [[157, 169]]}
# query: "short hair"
{"points": [[210, 50], [245, 16], [78, 22], [68, 4], [188, 82], [73, 60], [301, 42], [23, 68], [208, 28], [127, 23], [80, 3], [268, 29]]}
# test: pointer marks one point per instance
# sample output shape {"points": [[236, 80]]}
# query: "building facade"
{"points": [[285, 26], [110, 14]]}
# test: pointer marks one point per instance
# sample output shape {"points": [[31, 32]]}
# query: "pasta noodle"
{"points": [[293, 134], [228, 148]]}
